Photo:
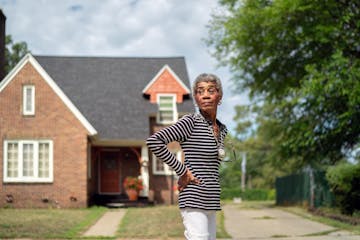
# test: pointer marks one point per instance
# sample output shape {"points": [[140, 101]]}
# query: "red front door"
{"points": [[109, 172]]}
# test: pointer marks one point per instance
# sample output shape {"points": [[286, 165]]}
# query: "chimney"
{"points": [[2, 45]]}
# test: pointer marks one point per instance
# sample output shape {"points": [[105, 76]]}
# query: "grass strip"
{"points": [[46, 223]]}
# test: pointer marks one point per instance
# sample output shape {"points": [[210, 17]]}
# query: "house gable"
{"points": [[108, 91], [29, 59], [166, 82]]}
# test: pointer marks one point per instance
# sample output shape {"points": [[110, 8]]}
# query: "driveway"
{"points": [[271, 223]]}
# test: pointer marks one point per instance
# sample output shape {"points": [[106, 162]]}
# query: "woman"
{"points": [[201, 137]]}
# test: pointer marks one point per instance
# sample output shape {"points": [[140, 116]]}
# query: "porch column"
{"points": [[145, 171]]}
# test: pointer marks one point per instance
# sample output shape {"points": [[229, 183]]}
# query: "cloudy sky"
{"points": [[121, 28]]}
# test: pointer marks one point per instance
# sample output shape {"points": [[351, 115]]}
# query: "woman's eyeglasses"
{"points": [[211, 91]]}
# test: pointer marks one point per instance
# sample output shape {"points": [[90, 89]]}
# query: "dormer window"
{"points": [[167, 108], [28, 100]]}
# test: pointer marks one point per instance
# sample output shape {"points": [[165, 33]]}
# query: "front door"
{"points": [[110, 173]]}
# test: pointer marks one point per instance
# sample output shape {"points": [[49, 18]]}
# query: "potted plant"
{"points": [[132, 187]]}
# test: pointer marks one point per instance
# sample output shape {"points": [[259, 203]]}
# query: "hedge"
{"points": [[248, 194]]}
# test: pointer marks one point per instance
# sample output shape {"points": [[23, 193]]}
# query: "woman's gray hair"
{"points": [[208, 77]]}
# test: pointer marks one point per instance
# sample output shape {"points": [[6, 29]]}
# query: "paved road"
{"points": [[270, 224]]}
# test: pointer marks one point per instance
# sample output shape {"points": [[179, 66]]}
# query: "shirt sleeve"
{"points": [[179, 132]]}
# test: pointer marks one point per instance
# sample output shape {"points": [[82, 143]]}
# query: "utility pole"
{"points": [[243, 171]]}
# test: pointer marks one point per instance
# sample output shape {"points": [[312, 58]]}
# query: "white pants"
{"points": [[199, 224]]}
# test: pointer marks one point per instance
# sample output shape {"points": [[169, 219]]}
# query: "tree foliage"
{"points": [[301, 58], [13, 52]]}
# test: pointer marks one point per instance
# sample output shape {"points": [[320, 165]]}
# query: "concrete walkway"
{"points": [[107, 225], [270, 223]]}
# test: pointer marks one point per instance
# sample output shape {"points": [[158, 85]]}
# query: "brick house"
{"points": [[72, 128]]}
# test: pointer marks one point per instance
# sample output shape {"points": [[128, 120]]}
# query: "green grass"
{"points": [[46, 223], [263, 218], [151, 222], [255, 204], [159, 222], [220, 226]]}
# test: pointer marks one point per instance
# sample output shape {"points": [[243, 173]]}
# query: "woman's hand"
{"points": [[185, 179]]}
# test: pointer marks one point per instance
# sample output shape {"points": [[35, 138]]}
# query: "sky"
{"points": [[122, 28]]}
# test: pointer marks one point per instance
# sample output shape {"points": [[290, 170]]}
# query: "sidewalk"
{"points": [[107, 225], [270, 223]]}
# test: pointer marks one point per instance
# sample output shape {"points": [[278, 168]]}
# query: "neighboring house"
{"points": [[72, 128]]}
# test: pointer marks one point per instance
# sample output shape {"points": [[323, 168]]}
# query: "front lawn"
{"points": [[160, 222], [46, 223]]}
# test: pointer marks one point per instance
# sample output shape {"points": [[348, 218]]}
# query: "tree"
{"points": [[13, 53], [301, 59], [260, 145]]}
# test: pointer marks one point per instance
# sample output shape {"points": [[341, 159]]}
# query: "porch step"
{"points": [[121, 201], [129, 204], [116, 205]]}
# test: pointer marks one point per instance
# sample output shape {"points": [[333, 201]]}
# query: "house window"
{"points": [[29, 100], [161, 168], [28, 161], [167, 108]]}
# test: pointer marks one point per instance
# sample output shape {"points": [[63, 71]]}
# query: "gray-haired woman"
{"points": [[201, 137]]}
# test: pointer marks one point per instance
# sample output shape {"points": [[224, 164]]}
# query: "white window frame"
{"points": [[32, 101], [31, 179], [167, 170], [173, 108]]}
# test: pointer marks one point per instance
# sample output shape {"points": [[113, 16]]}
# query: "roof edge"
{"points": [[28, 58]]}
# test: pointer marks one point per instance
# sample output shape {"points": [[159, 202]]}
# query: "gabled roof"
{"points": [[166, 68], [108, 91], [30, 59]]}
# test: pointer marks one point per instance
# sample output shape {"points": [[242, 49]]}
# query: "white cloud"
{"points": [[121, 28]]}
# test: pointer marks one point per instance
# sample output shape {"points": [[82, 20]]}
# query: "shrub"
{"points": [[344, 181], [248, 194]]}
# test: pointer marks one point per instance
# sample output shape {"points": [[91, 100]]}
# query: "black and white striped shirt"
{"points": [[195, 135]]}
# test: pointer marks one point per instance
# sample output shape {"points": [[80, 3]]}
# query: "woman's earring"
{"points": [[219, 103]]}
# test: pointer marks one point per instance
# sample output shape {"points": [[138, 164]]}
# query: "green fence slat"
{"points": [[295, 189]]}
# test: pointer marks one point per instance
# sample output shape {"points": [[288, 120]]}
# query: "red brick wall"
{"points": [[52, 121], [166, 84]]}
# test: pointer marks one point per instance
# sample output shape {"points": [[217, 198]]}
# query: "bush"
{"points": [[248, 194], [344, 181]]}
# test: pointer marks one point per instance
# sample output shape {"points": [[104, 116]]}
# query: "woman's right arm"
{"points": [[179, 132]]}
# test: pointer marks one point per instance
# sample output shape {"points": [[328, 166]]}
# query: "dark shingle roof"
{"points": [[108, 91]]}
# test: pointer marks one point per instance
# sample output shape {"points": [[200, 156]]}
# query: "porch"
{"points": [[110, 167]]}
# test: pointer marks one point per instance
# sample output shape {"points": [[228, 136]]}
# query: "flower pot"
{"points": [[132, 194]]}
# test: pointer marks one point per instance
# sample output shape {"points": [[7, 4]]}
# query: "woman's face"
{"points": [[207, 96]]}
